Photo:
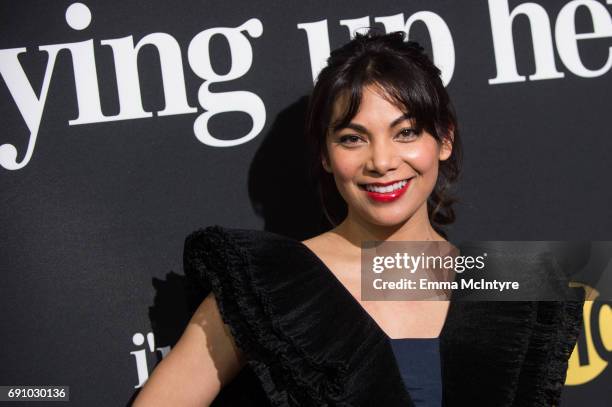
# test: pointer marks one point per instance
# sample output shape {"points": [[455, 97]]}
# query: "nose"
{"points": [[383, 157]]}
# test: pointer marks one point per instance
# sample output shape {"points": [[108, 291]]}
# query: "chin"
{"points": [[389, 219]]}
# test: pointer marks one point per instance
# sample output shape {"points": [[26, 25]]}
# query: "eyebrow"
{"points": [[360, 128]]}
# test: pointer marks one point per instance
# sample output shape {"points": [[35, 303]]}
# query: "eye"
{"points": [[349, 139], [408, 134]]}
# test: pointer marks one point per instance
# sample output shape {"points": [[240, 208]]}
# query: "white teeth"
{"points": [[386, 189]]}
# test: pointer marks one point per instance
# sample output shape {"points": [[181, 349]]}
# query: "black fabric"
{"points": [[309, 343]]}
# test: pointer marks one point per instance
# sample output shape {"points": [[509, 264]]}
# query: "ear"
{"points": [[446, 147], [325, 164]]}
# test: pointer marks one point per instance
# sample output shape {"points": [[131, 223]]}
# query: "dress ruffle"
{"points": [[310, 343], [512, 353], [290, 373], [551, 342]]}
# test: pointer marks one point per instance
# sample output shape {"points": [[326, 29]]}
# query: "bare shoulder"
{"points": [[340, 257], [325, 246], [320, 241], [329, 246]]}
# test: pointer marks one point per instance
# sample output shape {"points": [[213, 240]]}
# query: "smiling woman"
{"points": [[383, 154], [385, 148], [391, 111]]}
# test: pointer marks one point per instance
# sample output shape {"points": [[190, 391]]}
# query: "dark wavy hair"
{"points": [[410, 81]]}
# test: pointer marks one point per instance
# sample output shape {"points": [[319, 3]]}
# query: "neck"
{"points": [[416, 228]]}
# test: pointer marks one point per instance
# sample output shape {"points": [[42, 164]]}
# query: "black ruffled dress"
{"points": [[308, 342]]}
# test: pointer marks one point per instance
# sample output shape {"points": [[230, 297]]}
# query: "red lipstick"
{"points": [[386, 196]]}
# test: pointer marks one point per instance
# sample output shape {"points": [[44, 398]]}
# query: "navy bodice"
{"points": [[419, 362]]}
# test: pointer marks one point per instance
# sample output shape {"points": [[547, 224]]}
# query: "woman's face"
{"points": [[380, 145]]}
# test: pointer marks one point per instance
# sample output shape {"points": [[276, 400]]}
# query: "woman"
{"points": [[386, 147]]}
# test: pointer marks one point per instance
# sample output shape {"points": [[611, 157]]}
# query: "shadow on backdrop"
{"points": [[280, 188], [282, 194]]}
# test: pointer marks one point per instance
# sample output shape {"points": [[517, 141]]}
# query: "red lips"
{"points": [[388, 196]]}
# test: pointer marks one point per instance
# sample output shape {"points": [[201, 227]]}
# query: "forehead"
{"points": [[374, 100]]}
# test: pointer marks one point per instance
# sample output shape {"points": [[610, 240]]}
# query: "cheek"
{"points": [[423, 157], [345, 166]]}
